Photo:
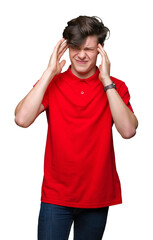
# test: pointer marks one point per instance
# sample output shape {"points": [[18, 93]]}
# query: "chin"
{"points": [[82, 68]]}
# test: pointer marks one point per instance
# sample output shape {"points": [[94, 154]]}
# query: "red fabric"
{"points": [[79, 164]]}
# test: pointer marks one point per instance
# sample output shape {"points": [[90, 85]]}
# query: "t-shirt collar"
{"points": [[89, 80]]}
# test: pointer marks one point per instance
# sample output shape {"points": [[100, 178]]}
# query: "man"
{"points": [[80, 178]]}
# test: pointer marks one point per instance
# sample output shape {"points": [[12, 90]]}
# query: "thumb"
{"points": [[62, 63], [100, 66]]}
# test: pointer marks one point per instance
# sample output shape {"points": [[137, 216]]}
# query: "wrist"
{"points": [[107, 81], [48, 74], [110, 86]]}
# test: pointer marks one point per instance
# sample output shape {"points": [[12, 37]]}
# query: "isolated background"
{"points": [[29, 31]]}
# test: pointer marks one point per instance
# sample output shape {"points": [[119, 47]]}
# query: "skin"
{"points": [[30, 106], [83, 65], [83, 60]]}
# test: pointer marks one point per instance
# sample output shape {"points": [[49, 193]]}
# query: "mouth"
{"points": [[81, 62]]}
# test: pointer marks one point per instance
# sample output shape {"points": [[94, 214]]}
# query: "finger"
{"points": [[61, 54], [56, 48], [103, 55], [62, 63], [62, 47], [100, 67], [102, 49], [54, 55], [100, 46]]}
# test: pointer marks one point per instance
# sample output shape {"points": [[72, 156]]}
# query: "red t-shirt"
{"points": [[79, 164]]}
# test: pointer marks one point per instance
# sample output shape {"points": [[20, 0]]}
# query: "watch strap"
{"points": [[112, 85]]}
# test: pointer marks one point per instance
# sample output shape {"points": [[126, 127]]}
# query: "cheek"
{"points": [[72, 52], [70, 55], [94, 56]]}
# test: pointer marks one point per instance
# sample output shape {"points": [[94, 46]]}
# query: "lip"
{"points": [[81, 62]]}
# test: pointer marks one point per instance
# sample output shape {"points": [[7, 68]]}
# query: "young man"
{"points": [[80, 178]]}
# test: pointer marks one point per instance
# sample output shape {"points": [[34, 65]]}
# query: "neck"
{"points": [[83, 75]]}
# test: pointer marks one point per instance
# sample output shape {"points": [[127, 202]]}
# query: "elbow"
{"points": [[128, 133], [128, 129], [20, 122]]}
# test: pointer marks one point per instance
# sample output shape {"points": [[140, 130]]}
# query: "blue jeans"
{"points": [[54, 222]]}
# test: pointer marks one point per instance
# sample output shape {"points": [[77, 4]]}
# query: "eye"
{"points": [[90, 49]]}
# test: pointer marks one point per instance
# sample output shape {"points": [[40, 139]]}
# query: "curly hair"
{"points": [[80, 28]]}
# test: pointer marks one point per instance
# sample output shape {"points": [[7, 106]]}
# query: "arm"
{"points": [[125, 121], [30, 106]]}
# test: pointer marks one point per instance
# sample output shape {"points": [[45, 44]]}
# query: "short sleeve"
{"points": [[125, 95]]}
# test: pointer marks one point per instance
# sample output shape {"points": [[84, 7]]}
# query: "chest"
{"points": [[80, 104]]}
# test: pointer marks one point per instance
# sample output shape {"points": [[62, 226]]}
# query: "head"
{"points": [[83, 35]]}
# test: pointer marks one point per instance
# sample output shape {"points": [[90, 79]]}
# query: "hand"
{"points": [[54, 65], [104, 68]]}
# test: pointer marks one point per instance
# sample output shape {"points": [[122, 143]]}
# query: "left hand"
{"points": [[104, 67]]}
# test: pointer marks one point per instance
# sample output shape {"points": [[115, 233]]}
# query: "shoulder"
{"points": [[58, 77], [117, 81], [60, 80]]}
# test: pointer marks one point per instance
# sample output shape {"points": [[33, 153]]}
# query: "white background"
{"points": [[29, 31]]}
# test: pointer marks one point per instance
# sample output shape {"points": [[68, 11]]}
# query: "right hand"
{"points": [[54, 65]]}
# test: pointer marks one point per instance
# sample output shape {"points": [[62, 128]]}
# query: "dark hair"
{"points": [[83, 26]]}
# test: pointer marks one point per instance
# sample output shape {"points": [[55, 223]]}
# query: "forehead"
{"points": [[91, 41]]}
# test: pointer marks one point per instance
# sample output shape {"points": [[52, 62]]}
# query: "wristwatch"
{"points": [[112, 85]]}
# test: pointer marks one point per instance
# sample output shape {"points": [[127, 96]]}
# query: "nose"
{"points": [[81, 54]]}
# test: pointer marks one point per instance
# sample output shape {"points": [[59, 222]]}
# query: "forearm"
{"points": [[124, 119], [27, 110]]}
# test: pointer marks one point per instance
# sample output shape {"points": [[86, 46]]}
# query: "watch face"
{"points": [[114, 84]]}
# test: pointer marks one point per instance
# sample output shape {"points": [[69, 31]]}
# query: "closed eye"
{"points": [[89, 49]]}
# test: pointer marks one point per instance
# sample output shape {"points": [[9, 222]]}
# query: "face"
{"points": [[83, 59]]}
